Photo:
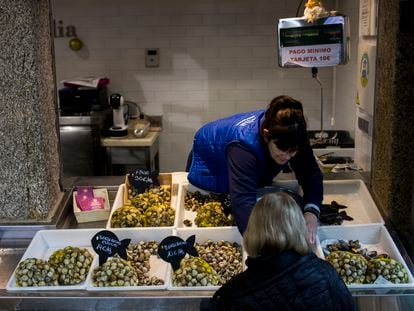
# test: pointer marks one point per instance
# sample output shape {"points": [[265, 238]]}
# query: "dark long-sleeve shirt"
{"points": [[246, 175]]}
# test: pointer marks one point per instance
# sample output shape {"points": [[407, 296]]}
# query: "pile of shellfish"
{"points": [[151, 208], [66, 266], [359, 265], [209, 210], [217, 263], [135, 271]]}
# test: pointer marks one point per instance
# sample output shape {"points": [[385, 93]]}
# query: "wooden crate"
{"points": [[93, 215], [163, 178]]}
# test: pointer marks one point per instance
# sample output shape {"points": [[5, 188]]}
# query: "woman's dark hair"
{"points": [[285, 124]]}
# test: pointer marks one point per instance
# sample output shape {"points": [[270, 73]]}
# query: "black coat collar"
{"points": [[275, 263]]}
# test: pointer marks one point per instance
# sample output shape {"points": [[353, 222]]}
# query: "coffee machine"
{"points": [[120, 116]]}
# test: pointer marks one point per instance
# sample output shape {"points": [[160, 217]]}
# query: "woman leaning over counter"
{"points": [[239, 154]]}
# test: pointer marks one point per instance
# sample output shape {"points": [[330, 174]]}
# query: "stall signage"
{"points": [[312, 55], [172, 249], [225, 201], [141, 179], [323, 43], [106, 244]]}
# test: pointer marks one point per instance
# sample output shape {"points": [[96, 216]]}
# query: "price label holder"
{"points": [[106, 244], [225, 201], [323, 43], [172, 249], [142, 179]]}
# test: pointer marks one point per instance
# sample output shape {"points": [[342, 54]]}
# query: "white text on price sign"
{"points": [[312, 55]]}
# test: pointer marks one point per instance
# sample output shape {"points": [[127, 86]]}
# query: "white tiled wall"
{"points": [[365, 110], [217, 57], [346, 81]]}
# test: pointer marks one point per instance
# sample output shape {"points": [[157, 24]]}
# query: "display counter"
{"points": [[15, 240]]}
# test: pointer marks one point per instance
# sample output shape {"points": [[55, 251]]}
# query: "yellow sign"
{"points": [[364, 70]]}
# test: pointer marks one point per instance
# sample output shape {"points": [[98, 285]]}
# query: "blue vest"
{"points": [[208, 169]]}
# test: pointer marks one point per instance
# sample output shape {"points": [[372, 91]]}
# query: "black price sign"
{"points": [[226, 203], [172, 249], [142, 179], [106, 244]]}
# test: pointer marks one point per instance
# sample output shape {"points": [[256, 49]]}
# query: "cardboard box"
{"points": [[163, 178], [93, 215]]}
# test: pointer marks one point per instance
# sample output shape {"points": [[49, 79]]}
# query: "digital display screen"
{"points": [[311, 35], [323, 43], [152, 52]]}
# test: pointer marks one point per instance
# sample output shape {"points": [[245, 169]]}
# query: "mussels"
{"points": [[330, 214]]}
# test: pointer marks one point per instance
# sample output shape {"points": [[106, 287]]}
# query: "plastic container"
{"points": [[163, 178], [354, 194], [158, 267], [371, 236], [229, 234], [184, 214], [119, 202], [44, 243]]}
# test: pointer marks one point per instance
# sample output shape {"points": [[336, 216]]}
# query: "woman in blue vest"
{"points": [[239, 154]]}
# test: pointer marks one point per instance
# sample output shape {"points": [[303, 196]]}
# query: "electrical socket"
{"points": [[152, 57]]}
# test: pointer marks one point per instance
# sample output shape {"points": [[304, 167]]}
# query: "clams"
{"points": [[195, 271], [212, 215], [127, 216], [139, 257], [71, 264], [351, 267], [115, 272], [149, 209], [35, 272], [387, 268], [223, 256]]}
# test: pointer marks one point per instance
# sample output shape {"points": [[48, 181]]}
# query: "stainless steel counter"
{"points": [[13, 246], [81, 150]]}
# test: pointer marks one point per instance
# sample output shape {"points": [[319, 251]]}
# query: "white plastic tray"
{"points": [[354, 194], [374, 235], [230, 234], [158, 267], [119, 202], [182, 213], [44, 243]]}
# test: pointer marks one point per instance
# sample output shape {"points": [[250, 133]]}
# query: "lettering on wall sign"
{"points": [[312, 55], [62, 31]]}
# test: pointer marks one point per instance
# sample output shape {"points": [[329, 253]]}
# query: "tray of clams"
{"points": [[365, 256], [220, 257], [151, 208], [142, 270], [54, 260], [197, 208]]}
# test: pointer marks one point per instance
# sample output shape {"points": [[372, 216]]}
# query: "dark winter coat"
{"points": [[287, 281]]}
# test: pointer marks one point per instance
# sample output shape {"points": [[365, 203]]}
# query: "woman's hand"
{"points": [[312, 224]]}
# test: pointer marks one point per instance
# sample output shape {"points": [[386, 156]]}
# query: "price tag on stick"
{"points": [[172, 249], [142, 179], [106, 244]]}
